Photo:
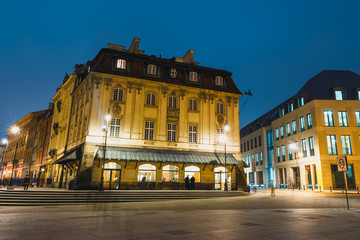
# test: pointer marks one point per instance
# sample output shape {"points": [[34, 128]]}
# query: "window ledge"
{"points": [[150, 106], [149, 142]]}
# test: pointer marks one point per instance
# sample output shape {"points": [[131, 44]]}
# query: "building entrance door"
{"points": [[220, 178], [296, 176], [112, 176]]}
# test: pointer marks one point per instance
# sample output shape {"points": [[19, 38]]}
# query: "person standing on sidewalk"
{"points": [[26, 182], [192, 183], [272, 190], [187, 182]]}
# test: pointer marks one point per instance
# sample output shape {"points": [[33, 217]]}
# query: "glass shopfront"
{"points": [[193, 171], [170, 173], [338, 177], [147, 173]]}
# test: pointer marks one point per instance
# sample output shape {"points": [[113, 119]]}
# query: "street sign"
{"points": [[342, 164]]}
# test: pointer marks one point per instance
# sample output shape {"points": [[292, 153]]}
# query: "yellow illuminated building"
{"points": [[165, 120], [304, 136]]}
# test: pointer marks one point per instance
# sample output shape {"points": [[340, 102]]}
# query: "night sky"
{"points": [[271, 47]]}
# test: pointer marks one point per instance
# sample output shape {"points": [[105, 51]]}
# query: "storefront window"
{"points": [[193, 171], [338, 177], [147, 173], [170, 173]]}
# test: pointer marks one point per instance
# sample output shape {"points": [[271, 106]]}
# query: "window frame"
{"points": [[172, 132], [346, 144], [149, 130], [151, 99], [331, 144], [119, 95], [343, 119], [193, 133], [329, 118], [219, 81], [122, 65], [172, 101], [193, 76], [308, 121], [151, 69], [193, 104], [115, 127], [220, 108]]}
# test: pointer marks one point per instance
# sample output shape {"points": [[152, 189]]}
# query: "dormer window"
{"points": [[219, 81], [193, 76], [151, 69], [121, 64], [300, 101], [339, 95], [173, 73]]}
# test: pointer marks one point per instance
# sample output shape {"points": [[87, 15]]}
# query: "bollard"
{"points": [[320, 188], [304, 187], [330, 189]]}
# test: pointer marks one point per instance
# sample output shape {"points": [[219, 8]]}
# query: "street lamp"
{"points": [[105, 128], [4, 142], [14, 130], [222, 139]]}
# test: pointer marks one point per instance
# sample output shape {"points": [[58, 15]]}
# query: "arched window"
{"points": [[151, 99], [121, 64], [170, 173], [151, 69], [173, 73], [172, 101], [220, 108], [147, 173], [118, 94], [112, 165], [193, 104], [219, 81], [193, 171], [193, 76]]}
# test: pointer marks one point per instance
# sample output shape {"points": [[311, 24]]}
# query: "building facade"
{"points": [[20, 147], [165, 119], [305, 134]]}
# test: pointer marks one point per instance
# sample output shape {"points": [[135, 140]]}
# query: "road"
{"points": [[289, 215]]}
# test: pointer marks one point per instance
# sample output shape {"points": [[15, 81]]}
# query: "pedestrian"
{"points": [[192, 180], [272, 190], [187, 182], [26, 182]]}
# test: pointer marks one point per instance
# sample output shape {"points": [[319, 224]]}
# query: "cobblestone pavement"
{"points": [[289, 215]]}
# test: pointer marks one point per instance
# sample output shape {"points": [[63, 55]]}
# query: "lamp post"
{"points": [[14, 130], [105, 128], [5, 142], [222, 139]]}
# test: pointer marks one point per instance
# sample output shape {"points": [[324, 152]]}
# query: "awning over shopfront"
{"points": [[171, 156], [71, 156]]}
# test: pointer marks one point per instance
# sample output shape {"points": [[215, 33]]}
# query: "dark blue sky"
{"points": [[272, 47]]}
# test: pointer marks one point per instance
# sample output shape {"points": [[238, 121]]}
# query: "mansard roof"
{"points": [[137, 62]]}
